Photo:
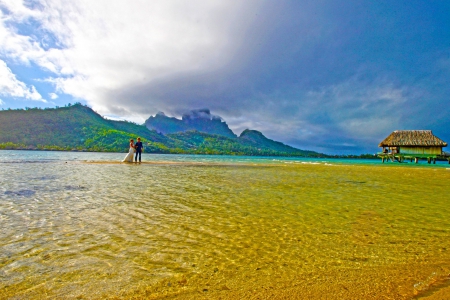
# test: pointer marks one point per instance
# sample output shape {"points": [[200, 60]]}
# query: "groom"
{"points": [[138, 146]]}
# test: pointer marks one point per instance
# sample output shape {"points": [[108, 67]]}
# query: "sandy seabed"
{"points": [[192, 230]]}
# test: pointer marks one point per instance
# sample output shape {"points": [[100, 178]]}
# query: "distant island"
{"points": [[78, 128]]}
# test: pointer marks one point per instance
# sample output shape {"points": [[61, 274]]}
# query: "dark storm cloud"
{"points": [[326, 76], [336, 77]]}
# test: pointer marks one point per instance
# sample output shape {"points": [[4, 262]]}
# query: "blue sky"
{"points": [[331, 76]]}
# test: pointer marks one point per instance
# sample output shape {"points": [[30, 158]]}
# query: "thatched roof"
{"points": [[412, 138]]}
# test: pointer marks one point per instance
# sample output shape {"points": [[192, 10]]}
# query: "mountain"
{"points": [[163, 124], [200, 120], [256, 139], [203, 143], [72, 127], [78, 127]]}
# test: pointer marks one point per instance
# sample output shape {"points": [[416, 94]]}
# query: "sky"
{"points": [[335, 77]]}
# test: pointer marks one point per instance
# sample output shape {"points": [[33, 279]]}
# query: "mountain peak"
{"points": [[78, 127], [200, 119], [249, 132], [257, 139]]}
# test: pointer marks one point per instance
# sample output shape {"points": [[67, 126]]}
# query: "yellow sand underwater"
{"points": [[223, 231]]}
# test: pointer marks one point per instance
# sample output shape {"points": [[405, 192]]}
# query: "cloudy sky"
{"points": [[331, 76]]}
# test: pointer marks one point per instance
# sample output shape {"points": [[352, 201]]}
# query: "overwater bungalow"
{"points": [[413, 144]]}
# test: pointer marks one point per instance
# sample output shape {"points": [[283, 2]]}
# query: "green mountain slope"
{"points": [[256, 139], [203, 143], [78, 127], [72, 127], [161, 123]]}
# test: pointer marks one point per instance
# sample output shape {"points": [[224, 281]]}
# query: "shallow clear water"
{"points": [[83, 225]]}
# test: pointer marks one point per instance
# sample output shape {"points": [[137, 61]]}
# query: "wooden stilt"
{"points": [[434, 160], [382, 160], [429, 160]]}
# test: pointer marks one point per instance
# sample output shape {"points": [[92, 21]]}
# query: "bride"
{"points": [[130, 155]]}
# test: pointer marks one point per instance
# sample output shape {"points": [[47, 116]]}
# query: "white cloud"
{"points": [[10, 86], [53, 96], [104, 46], [287, 72], [1, 102]]}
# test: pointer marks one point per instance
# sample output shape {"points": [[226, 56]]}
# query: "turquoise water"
{"points": [[85, 226], [9, 156]]}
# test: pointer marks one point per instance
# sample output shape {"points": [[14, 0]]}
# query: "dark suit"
{"points": [[138, 147]]}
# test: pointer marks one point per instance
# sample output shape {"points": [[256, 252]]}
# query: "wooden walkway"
{"points": [[399, 157]]}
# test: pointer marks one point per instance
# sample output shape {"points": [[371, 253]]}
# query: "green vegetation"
{"points": [[256, 139], [79, 128], [203, 143]]}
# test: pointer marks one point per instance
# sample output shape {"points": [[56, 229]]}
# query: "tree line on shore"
{"points": [[78, 128]]}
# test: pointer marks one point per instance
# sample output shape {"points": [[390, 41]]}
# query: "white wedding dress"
{"points": [[130, 155]]}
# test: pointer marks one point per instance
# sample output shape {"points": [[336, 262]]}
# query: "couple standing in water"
{"points": [[134, 148]]}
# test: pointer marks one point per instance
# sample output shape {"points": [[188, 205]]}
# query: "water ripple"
{"points": [[115, 230]]}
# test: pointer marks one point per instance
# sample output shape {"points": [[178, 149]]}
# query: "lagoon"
{"points": [[85, 226]]}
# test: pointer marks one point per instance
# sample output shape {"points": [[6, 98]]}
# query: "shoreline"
{"points": [[347, 160], [350, 156], [269, 164]]}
